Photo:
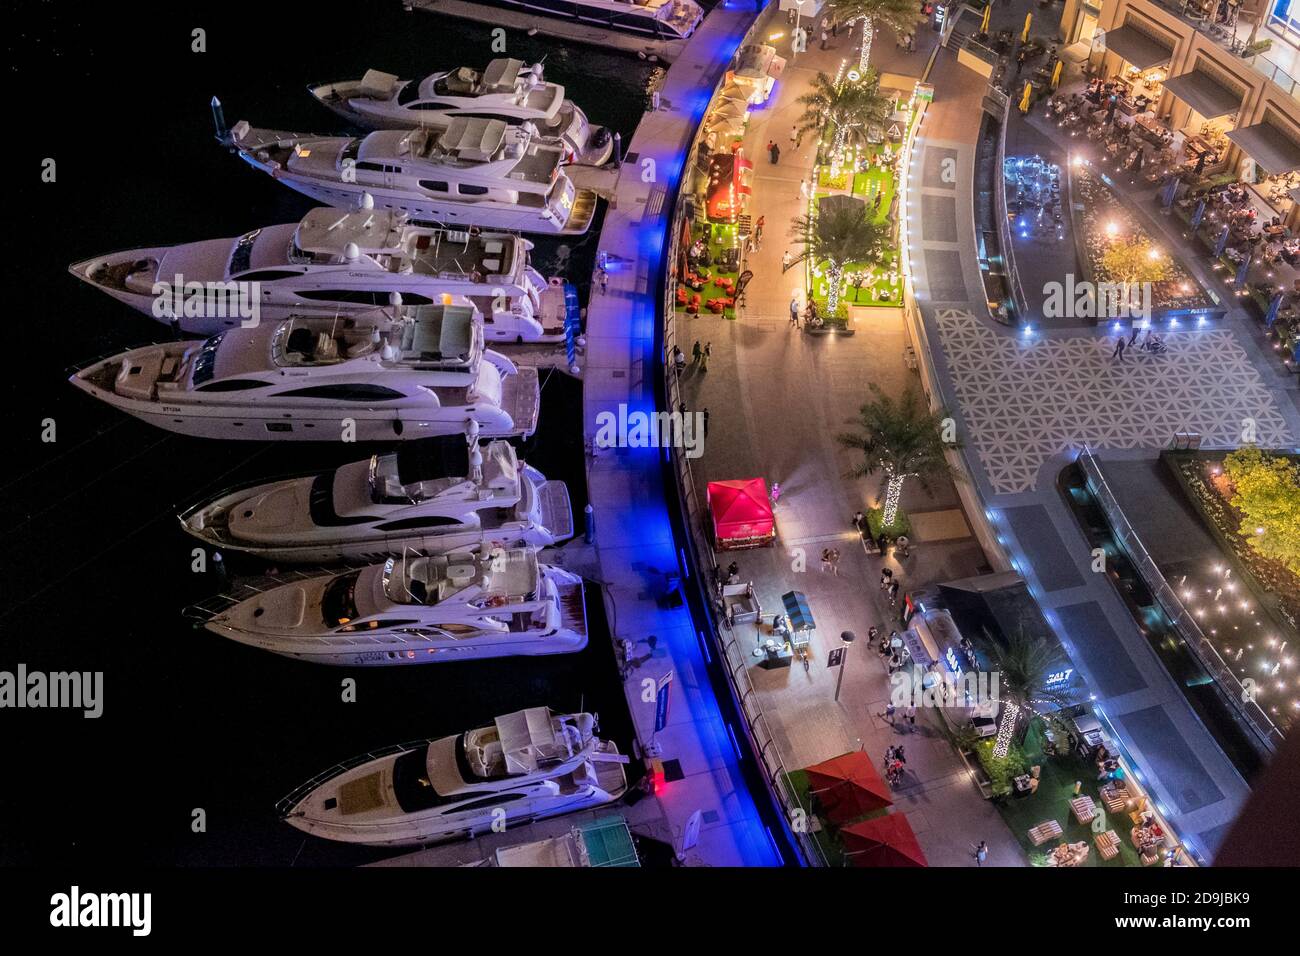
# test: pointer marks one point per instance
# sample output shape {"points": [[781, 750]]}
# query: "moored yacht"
{"points": [[414, 372], [506, 89], [334, 261], [525, 766], [480, 171], [414, 610], [665, 19], [431, 497]]}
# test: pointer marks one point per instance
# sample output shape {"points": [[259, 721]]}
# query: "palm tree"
{"points": [[904, 439], [901, 16], [1025, 665], [850, 108], [837, 236]]}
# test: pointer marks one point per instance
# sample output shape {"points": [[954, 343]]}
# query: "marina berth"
{"points": [[411, 610], [334, 262], [506, 89], [429, 497], [410, 372], [475, 171], [665, 19], [527, 765]]}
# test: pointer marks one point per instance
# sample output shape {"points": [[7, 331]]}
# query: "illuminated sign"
{"points": [[1058, 678]]}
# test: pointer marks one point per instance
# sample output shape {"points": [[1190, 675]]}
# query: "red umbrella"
{"points": [[848, 786], [742, 513], [882, 841]]}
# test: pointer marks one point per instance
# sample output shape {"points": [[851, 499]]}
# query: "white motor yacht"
{"points": [[525, 766], [664, 19], [477, 171], [413, 372], [412, 610], [432, 497], [331, 262], [506, 89]]}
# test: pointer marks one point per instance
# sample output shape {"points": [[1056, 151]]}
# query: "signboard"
{"points": [[691, 835], [836, 658], [1059, 678], [661, 701]]}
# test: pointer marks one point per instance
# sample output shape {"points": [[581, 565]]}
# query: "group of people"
{"points": [[699, 356], [895, 764], [889, 585]]}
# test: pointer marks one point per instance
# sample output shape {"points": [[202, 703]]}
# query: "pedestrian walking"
{"points": [[981, 853], [835, 28], [794, 135], [696, 353], [1020, 62], [704, 358], [603, 278], [893, 593], [679, 359], [886, 576], [825, 37], [758, 231], [773, 152], [1119, 349], [882, 542], [835, 561], [859, 520], [794, 312], [803, 188], [826, 559], [910, 715], [706, 421], [785, 261], [888, 713], [1134, 337], [776, 493]]}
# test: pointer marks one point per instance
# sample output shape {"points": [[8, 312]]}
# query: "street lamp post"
{"points": [[848, 637]]}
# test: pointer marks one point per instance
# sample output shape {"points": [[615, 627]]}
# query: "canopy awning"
{"points": [[1137, 48], [1268, 146], [742, 513], [1204, 94], [796, 608]]}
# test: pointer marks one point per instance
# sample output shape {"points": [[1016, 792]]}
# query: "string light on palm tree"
{"points": [[901, 16]]}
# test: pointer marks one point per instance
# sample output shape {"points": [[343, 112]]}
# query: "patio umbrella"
{"points": [[1244, 269], [1024, 34], [796, 608], [1056, 73], [1167, 195], [883, 841], [1222, 242], [1273, 308], [988, 11], [1198, 215], [1024, 100], [848, 786], [829, 205]]}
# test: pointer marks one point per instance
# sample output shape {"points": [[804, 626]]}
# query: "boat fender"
{"points": [[397, 426]]}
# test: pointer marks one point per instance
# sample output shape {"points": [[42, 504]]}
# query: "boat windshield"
{"points": [[339, 602], [411, 784]]}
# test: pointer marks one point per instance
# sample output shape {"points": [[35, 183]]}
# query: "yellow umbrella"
{"points": [[1024, 36], [1024, 100], [988, 10], [1056, 73]]}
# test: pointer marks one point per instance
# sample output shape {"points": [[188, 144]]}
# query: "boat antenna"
{"points": [[219, 121]]}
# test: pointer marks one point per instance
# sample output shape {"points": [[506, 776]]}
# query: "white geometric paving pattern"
{"points": [[1025, 400]]}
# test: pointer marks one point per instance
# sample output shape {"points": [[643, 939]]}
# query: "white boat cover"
{"points": [[500, 75], [473, 138]]}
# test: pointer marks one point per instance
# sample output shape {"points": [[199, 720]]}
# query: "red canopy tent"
{"points": [[742, 514], [848, 786], [882, 841]]}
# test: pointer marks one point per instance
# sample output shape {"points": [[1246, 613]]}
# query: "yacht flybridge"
{"points": [[413, 372], [527, 765], [506, 89], [480, 171], [334, 261], [414, 610], [431, 497]]}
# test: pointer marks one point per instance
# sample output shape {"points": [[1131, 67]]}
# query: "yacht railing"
{"points": [[1242, 700], [291, 799]]}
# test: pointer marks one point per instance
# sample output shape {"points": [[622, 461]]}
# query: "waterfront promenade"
{"points": [[777, 398]]}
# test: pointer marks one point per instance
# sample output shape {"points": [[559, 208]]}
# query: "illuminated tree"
{"points": [[903, 439], [848, 108], [1266, 490], [838, 235], [1025, 665], [899, 15], [1135, 260]]}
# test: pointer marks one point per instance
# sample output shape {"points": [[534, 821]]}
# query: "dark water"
{"points": [[94, 569]]}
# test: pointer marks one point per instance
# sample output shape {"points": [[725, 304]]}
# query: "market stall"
{"points": [[742, 514]]}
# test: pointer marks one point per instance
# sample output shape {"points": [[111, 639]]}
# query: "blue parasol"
{"points": [[796, 608], [1242, 270], [1273, 308], [1167, 197], [1222, 242], [1198, 215]]}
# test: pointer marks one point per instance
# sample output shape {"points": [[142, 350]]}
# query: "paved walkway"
{"points": [[1022, 404], [777, 398], [635, 553]]}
